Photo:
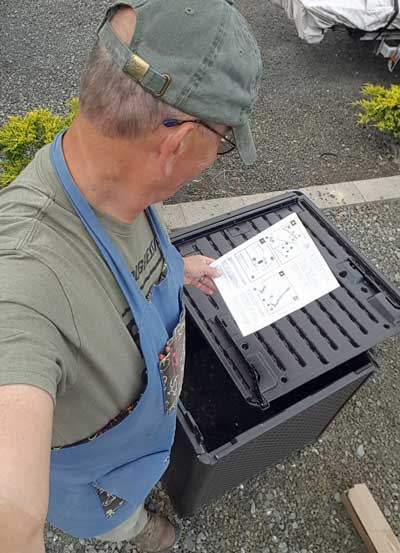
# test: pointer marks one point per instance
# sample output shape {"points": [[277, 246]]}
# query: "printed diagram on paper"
{"points": [[273, 274], [276, 293]]}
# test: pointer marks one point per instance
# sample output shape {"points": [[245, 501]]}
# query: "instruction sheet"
{"points": [[272, 275]]}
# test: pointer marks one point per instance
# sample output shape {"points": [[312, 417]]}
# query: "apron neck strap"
{"points": [[134, 296]]}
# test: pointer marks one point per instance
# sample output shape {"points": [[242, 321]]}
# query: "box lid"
{"points": [[326, 333]]}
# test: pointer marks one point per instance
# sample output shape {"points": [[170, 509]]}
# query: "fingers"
{"points": [[211, 271], [197, 266], [205, 284], [200, 274], [205, 289], [207, 281]]}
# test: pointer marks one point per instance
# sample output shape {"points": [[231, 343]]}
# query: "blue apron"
{"points": [[127, 460]]}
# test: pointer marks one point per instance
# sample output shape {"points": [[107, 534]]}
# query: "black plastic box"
{"points": [[249, 402], [202, 469]]}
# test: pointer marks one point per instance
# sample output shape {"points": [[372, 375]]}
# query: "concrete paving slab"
{"points": [[195, 212], [254, 198], [387, 188], [334, 195], [174, 216], [324, 196]]}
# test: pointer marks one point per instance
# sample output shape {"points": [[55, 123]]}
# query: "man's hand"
{"points": [[198, 273]]}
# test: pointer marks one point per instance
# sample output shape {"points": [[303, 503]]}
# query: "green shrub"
{"points": [[381, 108], [22, 136]]}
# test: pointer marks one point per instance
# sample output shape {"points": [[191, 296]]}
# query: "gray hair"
{"points": [[116, 105]]}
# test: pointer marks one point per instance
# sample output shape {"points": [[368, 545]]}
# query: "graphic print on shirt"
{"points": [[143, 264], [146, 275]]}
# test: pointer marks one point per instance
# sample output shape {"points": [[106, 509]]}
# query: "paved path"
{"points": [[325, 196]]}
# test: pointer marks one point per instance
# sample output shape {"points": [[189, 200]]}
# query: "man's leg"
{"points": [[151, 532], [130, 528]]}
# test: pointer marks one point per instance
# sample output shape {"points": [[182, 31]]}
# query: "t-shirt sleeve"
{"points": [[37, 334]]}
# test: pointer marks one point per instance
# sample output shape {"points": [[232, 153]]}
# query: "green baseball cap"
{"points": [[199, 56]]}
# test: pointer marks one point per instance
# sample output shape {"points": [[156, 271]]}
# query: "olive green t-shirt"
{"points": [[65, 325]]}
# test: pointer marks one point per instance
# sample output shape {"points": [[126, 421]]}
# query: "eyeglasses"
{"points": [[226, 143]]}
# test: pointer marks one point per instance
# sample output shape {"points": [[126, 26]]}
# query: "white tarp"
{"points": [[313, 17]]}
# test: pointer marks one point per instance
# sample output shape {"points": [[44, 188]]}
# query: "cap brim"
{"points": [[244, 143]]}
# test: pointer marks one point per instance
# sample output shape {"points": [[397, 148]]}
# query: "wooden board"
{"points": [[369, 521]]}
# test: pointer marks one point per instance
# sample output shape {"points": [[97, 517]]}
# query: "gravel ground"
{"points": [[304, 123], [305, 129], [295, 507]]}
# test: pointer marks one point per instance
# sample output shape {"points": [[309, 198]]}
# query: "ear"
{"points": [[173, 146]]}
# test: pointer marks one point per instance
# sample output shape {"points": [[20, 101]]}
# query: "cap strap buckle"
{"points": [[167, 82], [140, 70], [137, 67], [132, 64]]}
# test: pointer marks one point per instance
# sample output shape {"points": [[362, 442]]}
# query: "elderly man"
{"points": [[91, 318]]}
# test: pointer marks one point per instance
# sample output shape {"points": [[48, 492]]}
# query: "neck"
{"points": [[102, 168]]}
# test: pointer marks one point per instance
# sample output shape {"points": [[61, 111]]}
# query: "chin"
{"points": [[172, 189], [166, 194], [177, 186]]}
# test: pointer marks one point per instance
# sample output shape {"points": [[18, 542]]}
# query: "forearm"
{"points": [[25, 438], [33, 545], [19, 532]]}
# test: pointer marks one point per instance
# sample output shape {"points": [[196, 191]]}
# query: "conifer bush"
{"points": [[381, 108], [22, 136]]}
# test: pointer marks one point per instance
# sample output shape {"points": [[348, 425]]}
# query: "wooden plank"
{"points": [[358, 525], [369, 521]]}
